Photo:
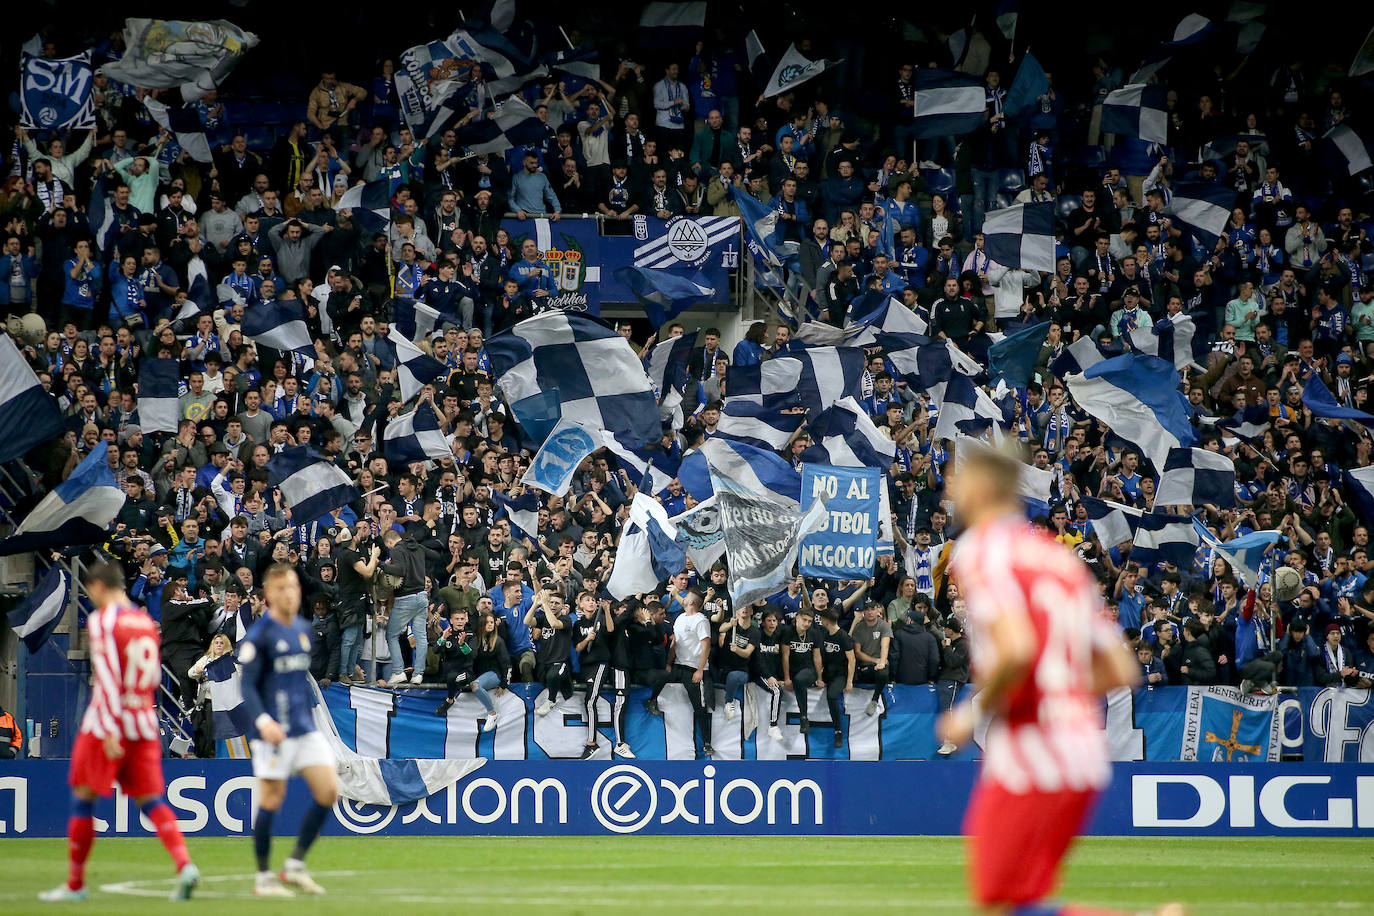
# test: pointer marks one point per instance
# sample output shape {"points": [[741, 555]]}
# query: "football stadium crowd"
{"points": [[121, 248]]}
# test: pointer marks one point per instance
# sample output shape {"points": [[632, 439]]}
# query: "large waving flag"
{"points": [[649, 551], [1137, 397], [416, 320], [168, 54], [921, 361], [757, 468], [664, 293], [699, 528], [415, 436], [414, 367], [78, 511], [537, 415], [1196, 477], [845, 436], [1202, 207], [641, 463], [28, 414], [280, 325], [311, 484], [555, 464], [158, 381], [34, 619], [184, 124], [600, 380]]}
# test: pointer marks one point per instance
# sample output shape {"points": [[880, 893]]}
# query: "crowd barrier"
{"points": [[705, 798]]}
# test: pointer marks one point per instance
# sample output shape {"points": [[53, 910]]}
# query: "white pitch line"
{"points": [[149, 887]]}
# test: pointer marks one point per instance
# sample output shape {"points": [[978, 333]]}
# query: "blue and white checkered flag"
{"points": [[1021, 236], [311, 484], [1137, 110], [1164, 539], [1196, 477], [600, 381]]}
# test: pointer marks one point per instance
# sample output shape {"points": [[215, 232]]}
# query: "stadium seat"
{"points": [[1067, 204], [1005, 199], [1012, 181], [259, 137]]}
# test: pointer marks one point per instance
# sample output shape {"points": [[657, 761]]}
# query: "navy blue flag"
{"points": [[1137, 110], [761, 427], [1030, 83], [35, 618], [1318, 399], [232, 717], [664, 294], [1013, 357]]}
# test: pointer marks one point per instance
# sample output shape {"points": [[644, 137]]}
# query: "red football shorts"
{"points": [[139, 771], [1016, 842]]}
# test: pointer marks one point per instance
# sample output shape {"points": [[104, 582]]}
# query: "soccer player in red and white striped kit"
{"points": [[119, 738], [1042, 656]]}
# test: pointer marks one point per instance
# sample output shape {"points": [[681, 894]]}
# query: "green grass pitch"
{"points": [[690, 875]]}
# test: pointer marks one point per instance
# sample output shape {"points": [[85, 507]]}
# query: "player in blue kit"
{"points": [[275, 654]]}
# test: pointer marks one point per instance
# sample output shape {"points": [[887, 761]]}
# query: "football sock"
{"points": [[80, 836], [262, 838], [310, 829], [168, 832]]}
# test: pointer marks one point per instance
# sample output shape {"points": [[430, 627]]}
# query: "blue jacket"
{"points": [[520, 641], [17, 266], [81, 293]]}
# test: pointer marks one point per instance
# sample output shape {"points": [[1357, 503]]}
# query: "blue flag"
{"points": [[1318, 399], [1030, 83], [663, 293], [1013, 358]]}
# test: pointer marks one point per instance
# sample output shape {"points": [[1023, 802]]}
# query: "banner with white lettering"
{"points": [[846, 547], [55, 94], [709, 798], [1337, 724]]}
